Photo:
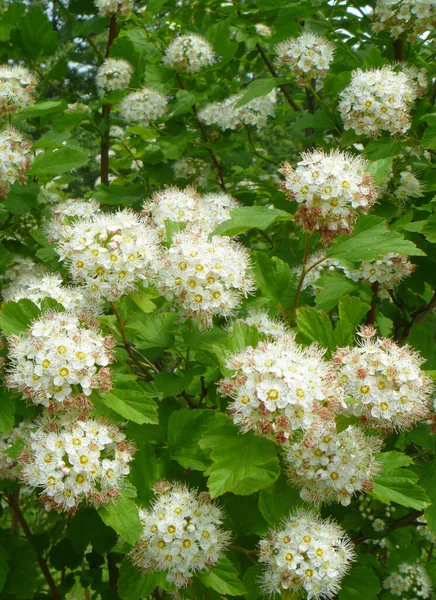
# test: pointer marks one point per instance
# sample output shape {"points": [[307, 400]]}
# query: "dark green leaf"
{"points": [[122, 515], [16, 317], [223, 578], [251, 217]]}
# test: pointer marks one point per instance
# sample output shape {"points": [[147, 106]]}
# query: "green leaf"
{"points": [[257, 88], [184, 103], [86, 527], [53, 162], [145, 469], [429, 229], [151, 331], [333, 287], [35, 34], [223, 578], [399, 485], [393, 459], [383, 148], [428, 139], [135, 585], [427, 474], [278, 500], [252, 582], [42, 108], [315, 326], [352, 309], [185, 449], [122, 515], [251, 217], [7, 410], [274, 279], [16, 317], [379, 169], [4, 566], [22, 579], [370, 239], [361, 582], [343, 334], [242, 464], [131, 402]]}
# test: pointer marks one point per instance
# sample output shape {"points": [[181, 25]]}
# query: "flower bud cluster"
{"points": [[306, 555], [109, 253], [189, 207], [17, 86], [182, 534], [204, 277], [194, 169], [412, 17], [107, 8], [410, 582], [331, 190], [307, 57], [189, 53], [331, 467], [384, 383], [76, 460], [58, 359], [114, 74], [15, 159], [226, 115], [378, 100], [280, 387], [263, 30], [143, 106]]}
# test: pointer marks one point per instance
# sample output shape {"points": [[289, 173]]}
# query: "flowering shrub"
{"points": [[218, 295]]}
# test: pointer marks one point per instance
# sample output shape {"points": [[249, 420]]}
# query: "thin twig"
{"points": [[410, 519], [301, 280], [274, 74], [419, 316]]}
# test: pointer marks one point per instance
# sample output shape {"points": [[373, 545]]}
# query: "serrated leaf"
{"points": [[429, 229], [7, 410], [223, 578], [277, 501], [86, 527], [135, 585], [315, 326], [122, 515], [151, 331], [41, 109], [251, 217], [361, 582], [379, 169], [352, 309], [53, 162], [22, 579], [428, 139], [131, 402], [383, 148], [274, 279], [333, 287], [16, 317], [399, 485], [184, 448], [257, 88], [393, 459]]}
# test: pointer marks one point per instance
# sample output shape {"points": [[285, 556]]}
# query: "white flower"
{"points": [[411, 582], [331, 467], [143, 106], [17, 272], [225, 115], [58, 359], [269, 328], [17, 86], [76, 460], [37, 288], [11, 444], [384, 382], [331, 190], [412, 17], [114, 74], [204, 277], [280, 387], [66, 213], [110, 253], [106, 8], [388, 271], [308, 56], [263, 30], [194, 169], [15, 159], [378, 525], [306, 555], [410, 186], [189, 207], [378, 100], [182, 534], [189, 53]]}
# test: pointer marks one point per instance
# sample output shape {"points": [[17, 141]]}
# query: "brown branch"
{"points": [[399, 50], [274, 74], [370, 318], [12, 500], [309, 131], [106, 110]]}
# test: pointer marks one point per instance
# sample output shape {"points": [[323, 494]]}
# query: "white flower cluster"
{"points": [[106, 8], [17, 272], [114, 74], [378, 100], [263, 30], [66, 213], [331, 467], [17, 86], [76, 460], [306, 555], [328, 265], [110, 253], [188, 206], [11, 444], [331, 190], [388, 271], [269, 328], [384, 382], [143, 106], [37, 288], [195, 169], [410, 582], [280, 387], [412, 17], [15, 159], [182, 534], [409, 186], [225, 115], [308, 56], [58, 359], [204, 277], [189, 53]]}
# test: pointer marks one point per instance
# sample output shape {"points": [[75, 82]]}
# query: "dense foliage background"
{"points": [[165, 377]]}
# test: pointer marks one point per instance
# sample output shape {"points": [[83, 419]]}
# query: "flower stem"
{"points": [[302, 276]]}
